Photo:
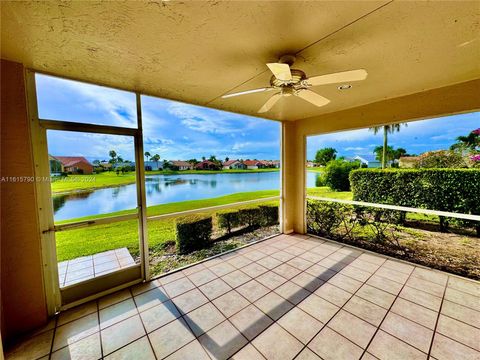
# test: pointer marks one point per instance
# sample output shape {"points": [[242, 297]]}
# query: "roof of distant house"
{"points": [[208, 162], [369, 158], [71, 160], [251, 162], [180, 163], [229, 162], [409, 158]]}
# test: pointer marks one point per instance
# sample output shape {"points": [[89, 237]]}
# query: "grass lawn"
{"points": [[325, 191], [94, 239], [316, 169], [110, 178]]}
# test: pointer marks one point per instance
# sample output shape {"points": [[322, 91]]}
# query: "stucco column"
{"points": [[293, 173], [22, 292]]}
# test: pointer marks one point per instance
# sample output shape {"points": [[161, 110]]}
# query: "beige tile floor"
{"points": [[87, 267], [287, 297]]}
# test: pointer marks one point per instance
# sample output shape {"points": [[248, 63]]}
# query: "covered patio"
{"points": [[291, 296]]}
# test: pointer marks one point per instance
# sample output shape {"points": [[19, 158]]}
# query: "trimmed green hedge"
{"points": [[263, 215], [193, 232], [229, 219], [453, 190], [269, 215]]}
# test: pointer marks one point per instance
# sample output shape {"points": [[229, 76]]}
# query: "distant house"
{"points": [[105, 166], [310, 164], [408, 162], [368, 160], [182, 165], [253, 164], [75, 164], [206, 165], [124, 164], [276, 164], [153, 165], [264, 164], [56, 166], [233, 164]]}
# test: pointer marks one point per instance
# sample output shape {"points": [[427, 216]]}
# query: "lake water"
{"points": [[163, 189]]}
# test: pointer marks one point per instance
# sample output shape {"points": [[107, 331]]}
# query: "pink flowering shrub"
{"points": [[475, 157]]}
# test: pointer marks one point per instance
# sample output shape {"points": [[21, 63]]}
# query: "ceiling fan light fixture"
{"points": [[344, 87]]}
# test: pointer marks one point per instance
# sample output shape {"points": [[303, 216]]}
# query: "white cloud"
{"points": [[355, 148], [150, 141], [209, 121], [114, 107]]}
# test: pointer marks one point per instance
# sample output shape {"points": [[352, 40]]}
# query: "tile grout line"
{"points": [[438, 318], [340, 308], [143, 325], [99, 327], [295, 305], [249, 341], [273, 291], [53, 338], [385, 316]]}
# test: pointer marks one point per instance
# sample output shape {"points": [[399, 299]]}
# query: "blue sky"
{"points": [[171, 129], [417, 137], [180, 131]]}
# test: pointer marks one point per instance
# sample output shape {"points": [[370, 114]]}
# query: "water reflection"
{"points": [[60, 200], [162, 189]]}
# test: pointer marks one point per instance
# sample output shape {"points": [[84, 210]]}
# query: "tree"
{"points": [[387, 129], [203, 158], [113, 156], [442, 159], [398, 153], [336, 175], [379, 154], [325, 155], [96, 162], [147, 155], [470, 142], [227, 158], [155, 158], [193, 161]]}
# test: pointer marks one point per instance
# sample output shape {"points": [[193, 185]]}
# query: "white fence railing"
{"points": [[400, 208]]}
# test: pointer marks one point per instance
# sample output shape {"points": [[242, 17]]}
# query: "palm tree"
{"points": [[113, 156], [470, 142], [147, 155], [155, 158], [387, 129]]}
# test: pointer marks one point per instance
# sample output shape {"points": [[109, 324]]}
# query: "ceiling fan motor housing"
{"points": [[297, 77]]}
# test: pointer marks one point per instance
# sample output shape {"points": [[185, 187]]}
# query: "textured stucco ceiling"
{"points": [[197, 51]]}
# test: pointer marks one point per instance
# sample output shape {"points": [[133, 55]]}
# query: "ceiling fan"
{"points": [[287, 82]]}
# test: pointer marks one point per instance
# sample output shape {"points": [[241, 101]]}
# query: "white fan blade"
{"points": [[345, 76], [281, 71], [247, 92], [313, 97], [270, 102]]}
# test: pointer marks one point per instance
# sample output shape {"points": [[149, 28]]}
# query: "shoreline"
{"points": [[155, 173]]}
